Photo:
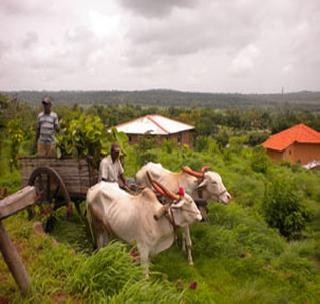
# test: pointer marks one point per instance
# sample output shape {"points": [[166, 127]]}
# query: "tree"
{"points": [[282, 208]]}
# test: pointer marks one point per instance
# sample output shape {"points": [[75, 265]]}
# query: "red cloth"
{"points": [[181, 191]]}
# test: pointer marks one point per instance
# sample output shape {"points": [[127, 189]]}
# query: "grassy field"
{"points": [[238, 257]]}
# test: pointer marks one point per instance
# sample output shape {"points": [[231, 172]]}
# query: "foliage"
{"points": [[222, 138], [119, 137], [282, 208], [145, 153], [256, 138], [82, 137], [169, 98], [17, 135], [156, 292], [4, 104], [107, 271], [259, 161], [238, 257]]}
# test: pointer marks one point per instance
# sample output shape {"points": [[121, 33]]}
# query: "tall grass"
{"points": [[238, 257], [106, 271]]}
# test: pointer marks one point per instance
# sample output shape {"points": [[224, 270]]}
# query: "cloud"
{"points": [[218, 45], [157, 9], [4, 48], [30, 39], [206, 28], [17, 7], [245, 60]]}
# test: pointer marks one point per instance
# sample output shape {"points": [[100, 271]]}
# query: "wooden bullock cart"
{"points": [[58, 182]]}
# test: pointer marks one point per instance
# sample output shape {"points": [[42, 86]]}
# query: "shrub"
{"points": [[282, 208], [147, 156], [201, 143], [259, 161], [17, 135], [256, 138], [81, 137]]}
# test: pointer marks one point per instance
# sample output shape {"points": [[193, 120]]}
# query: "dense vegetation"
{"points": [[296, 100], [262, 248]]}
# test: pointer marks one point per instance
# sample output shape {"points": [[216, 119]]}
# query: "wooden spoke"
{"points": [[51, 188]]}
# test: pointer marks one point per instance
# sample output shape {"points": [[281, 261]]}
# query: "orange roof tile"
{"points": [[298, 133]]}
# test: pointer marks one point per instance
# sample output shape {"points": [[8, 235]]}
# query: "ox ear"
{"points": [[203, 184], [179, 204]]}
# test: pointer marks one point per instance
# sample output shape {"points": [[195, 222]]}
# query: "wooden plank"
{"points": [[17, 201], [13, 261], [76, 174]]}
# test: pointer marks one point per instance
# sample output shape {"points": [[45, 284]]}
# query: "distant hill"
{"points": [[302, 100]]}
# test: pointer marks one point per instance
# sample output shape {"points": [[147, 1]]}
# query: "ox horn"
{"points": [[154, 185], [204, 169], [196, 174], [162, 189]]}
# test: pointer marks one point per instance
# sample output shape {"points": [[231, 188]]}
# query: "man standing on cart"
{"points": [[46, 129]]}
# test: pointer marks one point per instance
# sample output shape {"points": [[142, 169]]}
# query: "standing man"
{"points": [[111, 169], [46, 128]]}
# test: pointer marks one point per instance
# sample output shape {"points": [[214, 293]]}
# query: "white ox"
{"points": [[132, 218], [203, 185]]}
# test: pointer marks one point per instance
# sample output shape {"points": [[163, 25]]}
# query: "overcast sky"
{"points": [[243, 46]]}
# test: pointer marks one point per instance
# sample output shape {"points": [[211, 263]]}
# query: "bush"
{"points": [[259, 161], [201, 143], [17, 135], [282, 208], [81, 137], [256, 138]]}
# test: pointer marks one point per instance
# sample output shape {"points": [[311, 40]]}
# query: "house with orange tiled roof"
{"points": [[298, 144], [159, 127]]}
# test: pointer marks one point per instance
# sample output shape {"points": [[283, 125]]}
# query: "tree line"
{"points": [[298, 100]]}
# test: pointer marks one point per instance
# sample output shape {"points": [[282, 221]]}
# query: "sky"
{"points": [[245, 46]]}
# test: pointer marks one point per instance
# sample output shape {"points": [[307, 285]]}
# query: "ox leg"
{"points": [[102, 240], [188, 244], [183, 242], [144, 259]]}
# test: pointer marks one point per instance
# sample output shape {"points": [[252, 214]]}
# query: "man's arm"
{"points": [[124, 180], [122, 177], [102, 171]]}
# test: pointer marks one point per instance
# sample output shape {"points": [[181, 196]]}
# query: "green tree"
{"points": [[282, 208], [259, 160]]}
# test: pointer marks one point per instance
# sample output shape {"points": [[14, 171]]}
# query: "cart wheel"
{"points": [[50, 189]]}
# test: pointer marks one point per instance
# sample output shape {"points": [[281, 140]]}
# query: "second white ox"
{"points": [[203, 185], [132, 218]]}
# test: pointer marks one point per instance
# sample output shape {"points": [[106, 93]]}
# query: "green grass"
{"points": [[238, 257]]}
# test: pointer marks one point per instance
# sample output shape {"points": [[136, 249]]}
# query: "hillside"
{"points": [[297, 100], [238, 257]]}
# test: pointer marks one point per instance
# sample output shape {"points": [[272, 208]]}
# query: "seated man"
{"points": [[111, 169]]}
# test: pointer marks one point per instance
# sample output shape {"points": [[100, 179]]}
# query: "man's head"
{"points": [[47, 104], [115, 151]]}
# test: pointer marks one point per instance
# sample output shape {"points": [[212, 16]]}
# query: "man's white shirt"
{"points": [[109, 170]]}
